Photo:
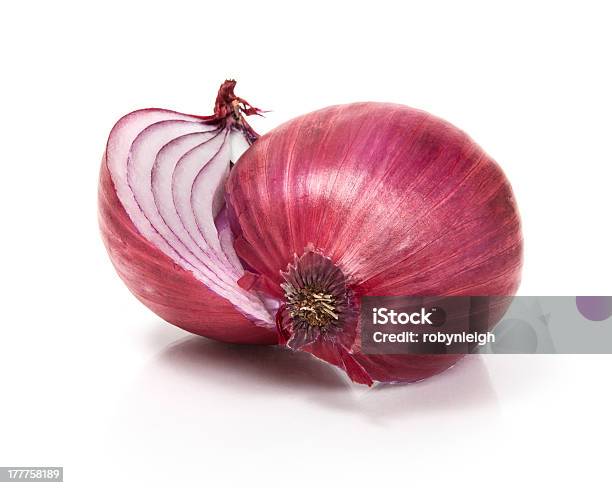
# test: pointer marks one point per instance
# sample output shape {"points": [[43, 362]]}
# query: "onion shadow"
{"points": [[203, 364], [267, 367]]}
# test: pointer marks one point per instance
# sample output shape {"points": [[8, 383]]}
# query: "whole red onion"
{"points": [[362, 199]]}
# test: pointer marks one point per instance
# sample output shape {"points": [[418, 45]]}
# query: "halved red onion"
{"points": [[161, 189]]}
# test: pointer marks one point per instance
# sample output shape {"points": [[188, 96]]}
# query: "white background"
{"points": [[93, 381]]}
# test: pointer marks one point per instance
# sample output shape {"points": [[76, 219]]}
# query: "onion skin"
{"points": [[164, 287], [402, 202]]}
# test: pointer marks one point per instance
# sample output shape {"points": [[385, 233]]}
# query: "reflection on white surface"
{"points": [[197, 364], [205, 404]]}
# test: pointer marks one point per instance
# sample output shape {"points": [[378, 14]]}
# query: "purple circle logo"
{"points": [[595, 308]]}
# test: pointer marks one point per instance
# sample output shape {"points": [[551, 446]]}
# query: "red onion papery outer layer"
{"points": [[402, 202], [167, 250]]}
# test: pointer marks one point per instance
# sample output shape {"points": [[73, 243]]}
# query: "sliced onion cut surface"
{"points": [[226, 239], [185, 173], [161, 185], [117, 152], [207, 197], [162, 163], [141, 160]]}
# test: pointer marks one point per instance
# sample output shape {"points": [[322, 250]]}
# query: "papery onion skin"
{"points": [[401, 201]]}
